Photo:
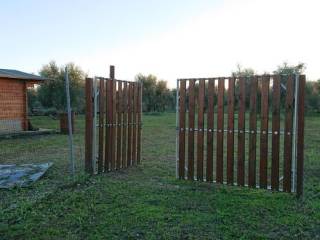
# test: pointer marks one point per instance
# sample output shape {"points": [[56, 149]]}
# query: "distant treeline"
{"points": [[49, 98]]}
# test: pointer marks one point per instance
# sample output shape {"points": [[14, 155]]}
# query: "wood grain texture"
{"points": [[241, 132], [191, 119], [182, 125], [220, 131], [300, 135], [89, 129], [287, 153], [101, 125], [253, 132], [230, 134], [275, 133], [210, 127], [263, 182], [200, 135]]}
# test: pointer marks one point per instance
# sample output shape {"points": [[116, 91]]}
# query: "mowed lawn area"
{"points": [[147, 201]]}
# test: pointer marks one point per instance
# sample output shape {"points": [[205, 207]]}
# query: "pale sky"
{"points": [[170, 39]]}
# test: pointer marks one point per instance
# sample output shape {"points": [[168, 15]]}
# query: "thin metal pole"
{"points": [[294, 137], [94, 132], [177, 133], [141, 119], [70, 137]]}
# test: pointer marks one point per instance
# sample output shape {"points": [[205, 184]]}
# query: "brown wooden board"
{"points": [[129, 138], [134, 121], [191, 118], [89, 126], [287, 153], [300, 135], [210, 127], [119, 125], [263, 182], [139, 124], [108, 133], [220, 131], [101, 125], [230, 134], [113, 128], [125, 122], [241, 132], [253, 132], [275, 133], [200, 135], [182, 126]]}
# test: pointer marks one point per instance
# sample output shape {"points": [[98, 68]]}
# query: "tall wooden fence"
{"points": [[113, 124], [246, 131]]}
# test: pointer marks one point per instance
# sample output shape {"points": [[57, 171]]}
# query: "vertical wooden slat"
{"points": [[253, 132], [139, 124], [210, 127], [182, 125], [287, 153], [129, 138], [134, 122], [220, 131], [89, 127], [108, 125], [200, 135], [114, 125], [125, 122], [230, 134], [300, 135], [119, 124], [241, 132], [275, 133], [191, 117], [101, 126], [264, 131]]}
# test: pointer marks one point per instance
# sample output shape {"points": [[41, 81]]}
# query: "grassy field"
{"points": [[147, 201]]}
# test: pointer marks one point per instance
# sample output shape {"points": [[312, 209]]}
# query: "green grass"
{"points": [[148, 202]]}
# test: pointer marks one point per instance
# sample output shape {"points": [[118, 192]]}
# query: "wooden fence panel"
{"points": [[191, 109], [258, 102], [230, 133], [182, 125], [210, 126], [252, 132], [220, 131], [264, 132], [288, 135]]}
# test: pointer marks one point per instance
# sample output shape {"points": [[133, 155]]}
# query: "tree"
{"points": [[157, 97], [52, 93]]}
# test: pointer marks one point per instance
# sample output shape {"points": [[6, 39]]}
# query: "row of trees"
{"points": [[50, 96]]}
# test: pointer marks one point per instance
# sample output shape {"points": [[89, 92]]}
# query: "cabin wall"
{"points": [[13, 105]]}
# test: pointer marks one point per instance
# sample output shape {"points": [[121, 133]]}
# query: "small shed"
{"points": [[13, 99]]}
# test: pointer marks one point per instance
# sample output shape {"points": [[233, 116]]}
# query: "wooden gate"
{"points": [[224, 133], [113, 124]]}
